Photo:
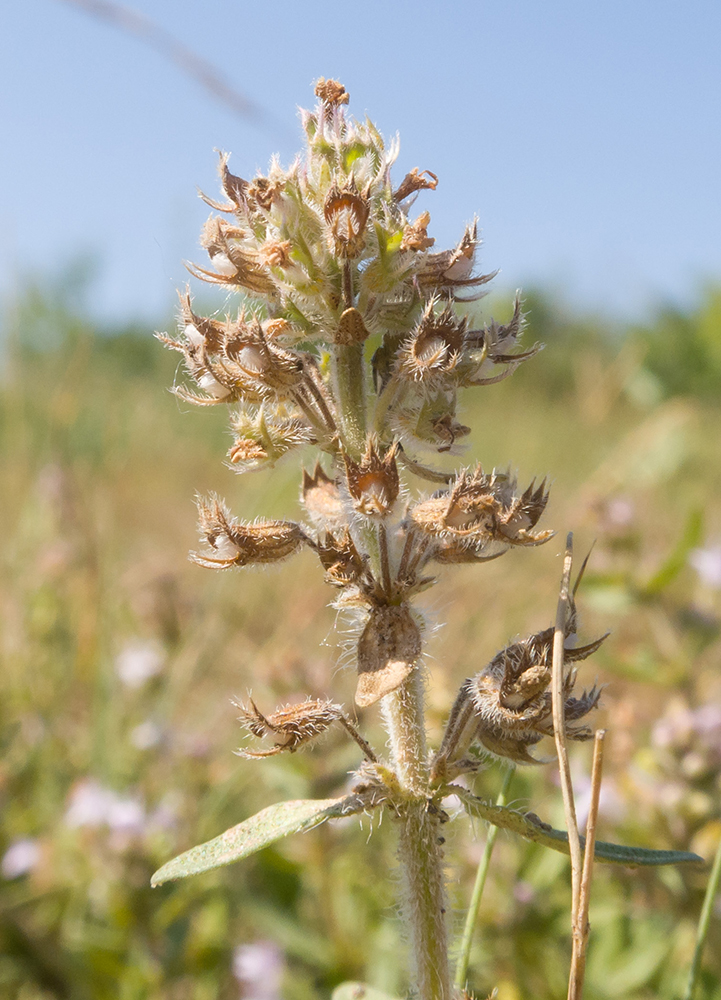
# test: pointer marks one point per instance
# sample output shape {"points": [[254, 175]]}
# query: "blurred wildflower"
{"points": [[707, 563], [138, 662], [259, 968], [92, 805], [20, 858], [146, 735]]}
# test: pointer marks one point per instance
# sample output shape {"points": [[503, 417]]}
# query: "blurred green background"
{"points": [[120, 660]]}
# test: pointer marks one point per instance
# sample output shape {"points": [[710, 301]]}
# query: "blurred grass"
{"points": [[99, 468]]}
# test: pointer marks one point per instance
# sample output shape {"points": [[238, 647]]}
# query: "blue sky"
{"points": [[586, 136]]}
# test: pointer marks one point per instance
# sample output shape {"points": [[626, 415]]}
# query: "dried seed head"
{"points": [[235, 544], [264, 434], [321, 498], [265, 191], [331, 92], [250, 356], [234, 256], [450, 270], [512, 700], [434, 348], [480, 509], [290, 726], [373, 483], [346, 213], [343, 564], [415, 235], [388, 649]]}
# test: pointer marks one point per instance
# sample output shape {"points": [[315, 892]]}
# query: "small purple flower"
{"points": [[707, 563], [137, 663], [259, 968], [20, 858], [93, 805]]}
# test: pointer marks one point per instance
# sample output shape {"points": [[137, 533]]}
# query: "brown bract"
{"points": [[388, 649], [373, 483], [451, 269], [415, 234], [236, 263], [233, 543]]}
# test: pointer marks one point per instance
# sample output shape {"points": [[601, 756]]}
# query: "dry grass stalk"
{"points": [[581, 931]]}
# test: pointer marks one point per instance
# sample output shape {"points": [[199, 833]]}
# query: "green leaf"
{"points": [[258, 832], [677, 559], [358, 991], [529, 826]]}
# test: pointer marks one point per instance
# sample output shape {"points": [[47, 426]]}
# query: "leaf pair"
{"points": [[297, 816]]}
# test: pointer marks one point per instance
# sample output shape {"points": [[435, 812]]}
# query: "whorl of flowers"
{"points": [[347, 338]]}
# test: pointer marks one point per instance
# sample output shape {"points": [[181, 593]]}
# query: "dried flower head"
{"points": [[512, 700]]}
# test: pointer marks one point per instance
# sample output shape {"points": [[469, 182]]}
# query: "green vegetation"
{"points": [[120, 660]]}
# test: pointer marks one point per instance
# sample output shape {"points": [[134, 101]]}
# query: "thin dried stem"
{"points": [[580, 935], [353, 732], [461, 713], [385, 561], [185, 59], [559, 729]]}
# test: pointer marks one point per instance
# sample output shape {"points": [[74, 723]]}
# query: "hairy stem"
{"points": [[350, 387], [420, 843]]}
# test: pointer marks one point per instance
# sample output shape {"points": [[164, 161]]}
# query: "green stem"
{"points": [[704, 923], [420, 844], [349, 376], [483, 866]]}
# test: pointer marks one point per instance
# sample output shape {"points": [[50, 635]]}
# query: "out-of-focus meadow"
{"points": [[120, 660]]}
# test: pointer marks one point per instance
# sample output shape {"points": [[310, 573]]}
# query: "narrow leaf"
{"points": [[529, 826], [677, 559], [257, 832]]}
